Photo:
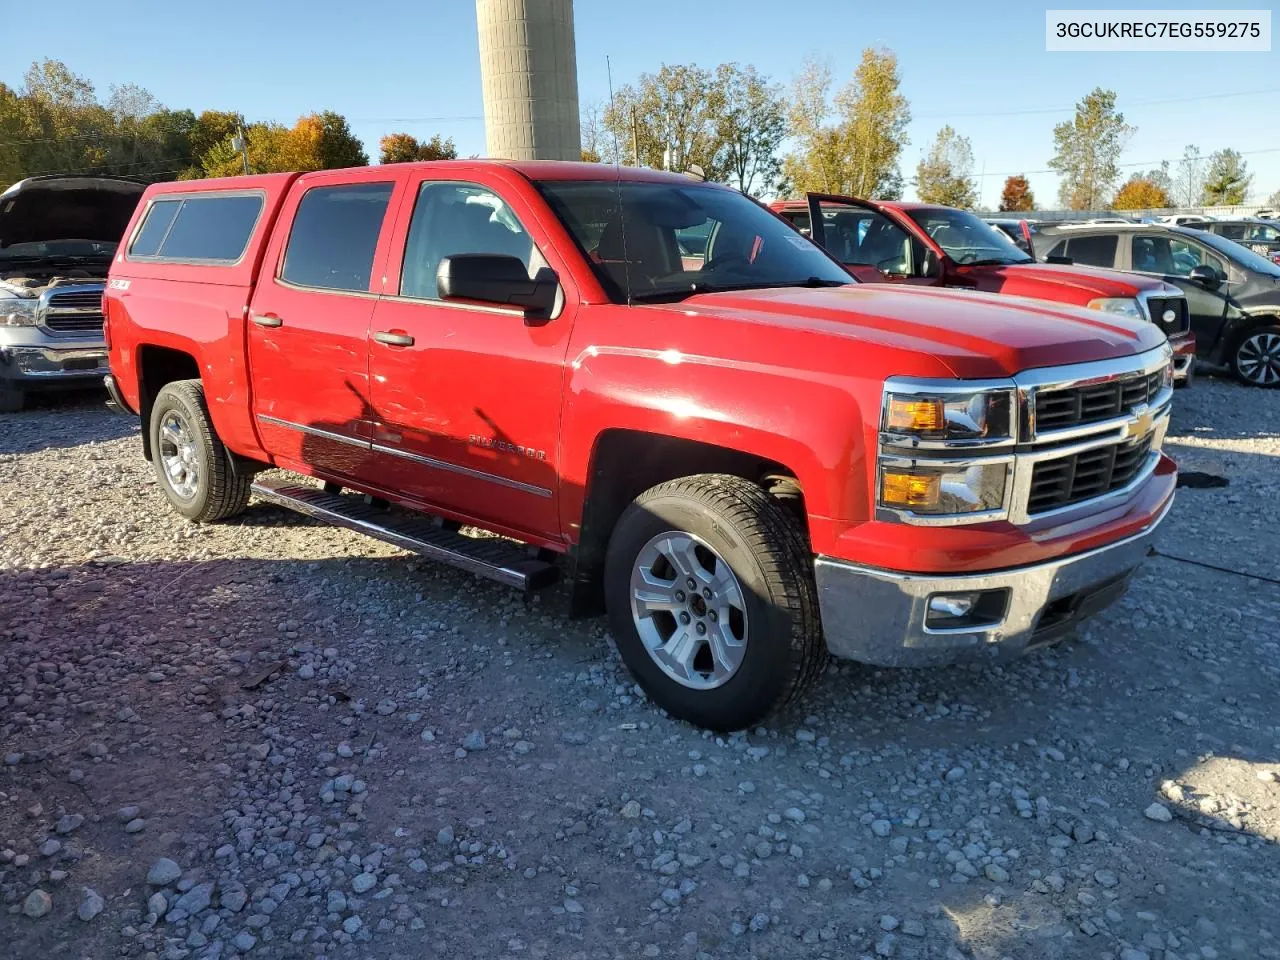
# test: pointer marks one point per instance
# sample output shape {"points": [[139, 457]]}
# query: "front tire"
{"points": [[1256, 357], [191, 463], [711, 598]]}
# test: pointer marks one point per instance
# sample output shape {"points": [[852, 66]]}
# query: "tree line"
{"points": [[56, 122], [731, 121]]}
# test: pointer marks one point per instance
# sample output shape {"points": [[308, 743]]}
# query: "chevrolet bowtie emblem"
{"points": [[1140, 425]]}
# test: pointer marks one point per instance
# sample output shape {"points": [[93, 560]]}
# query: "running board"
{"points": [[497, 559]]}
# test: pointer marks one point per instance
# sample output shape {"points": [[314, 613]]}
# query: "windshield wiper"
{"points": [[997, 262], [700, 286]]}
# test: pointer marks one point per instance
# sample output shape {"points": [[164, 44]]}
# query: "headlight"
{"points": [[1124, 306], [924, 488], [17, 313], [973, 417]]}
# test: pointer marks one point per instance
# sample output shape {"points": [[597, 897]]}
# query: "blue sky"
{"points": [[413, 65]]}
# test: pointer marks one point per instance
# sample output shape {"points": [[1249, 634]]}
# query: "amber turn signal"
{"points": [[910, 490], [914, 416]]}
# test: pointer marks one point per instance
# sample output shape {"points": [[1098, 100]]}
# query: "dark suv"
{"points": [[1233, 293], [1259, 236]]}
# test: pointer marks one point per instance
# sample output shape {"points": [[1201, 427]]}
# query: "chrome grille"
{"points": [[1083, 476], [76, 310], [1074, 406]]}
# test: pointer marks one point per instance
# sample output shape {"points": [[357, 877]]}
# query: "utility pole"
{"points": [[241, 142], [635, 137]]}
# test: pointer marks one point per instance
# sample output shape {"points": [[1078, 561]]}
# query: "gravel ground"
{"points": [[276, 739]]}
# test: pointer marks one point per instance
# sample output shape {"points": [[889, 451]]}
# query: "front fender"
{"points": [[808, 422]]}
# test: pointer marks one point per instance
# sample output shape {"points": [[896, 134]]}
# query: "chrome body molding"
{"points": [[879, 616], [407, 455]]}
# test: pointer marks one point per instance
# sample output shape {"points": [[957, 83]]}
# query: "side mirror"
{"points": [[1205, 275], [497, 279]]}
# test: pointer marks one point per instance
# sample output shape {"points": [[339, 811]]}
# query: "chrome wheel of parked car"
{"points": [[179, 455], [689, 610], [1257, 357]]}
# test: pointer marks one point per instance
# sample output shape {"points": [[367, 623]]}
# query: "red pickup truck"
{"points": [[928, 245], [749, 461]]}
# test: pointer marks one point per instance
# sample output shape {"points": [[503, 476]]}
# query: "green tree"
{"points": [[945, 174], [856, 151], [1227, 180], [670, 119], [751, 129], [338, 146], [1016, 195], [1087, 151], [1140, 193], [1273, 201]]}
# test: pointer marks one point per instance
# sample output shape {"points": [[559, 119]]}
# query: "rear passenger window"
{"points": [[1097, 251], [213, 228], [334, 236]]}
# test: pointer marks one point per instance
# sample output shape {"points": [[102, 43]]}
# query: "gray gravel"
{"points": [[345, 752]]}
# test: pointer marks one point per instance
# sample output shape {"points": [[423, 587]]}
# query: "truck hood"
{"points": [[974, 334], [43, 209], [1034, 279]]}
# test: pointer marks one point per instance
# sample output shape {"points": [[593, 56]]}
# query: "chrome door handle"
{"points": [[393, 339], [267, 320]]}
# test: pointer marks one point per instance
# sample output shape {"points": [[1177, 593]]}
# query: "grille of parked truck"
{"points": [[57, 237], [745, 457]]}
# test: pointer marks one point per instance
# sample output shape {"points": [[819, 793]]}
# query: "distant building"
{"points": [[529, 70]]}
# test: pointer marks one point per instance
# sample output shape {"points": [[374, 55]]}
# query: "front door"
{"points": [[870, 244], [309, 327], [1172, 258], [466, 398]]}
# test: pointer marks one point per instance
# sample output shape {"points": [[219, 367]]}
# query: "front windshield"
{"points": [[58, 248], [665, 241], [1242, 256], [966, 238]]}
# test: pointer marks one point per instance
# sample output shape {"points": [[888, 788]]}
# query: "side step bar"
{"points": [[497, 559]]}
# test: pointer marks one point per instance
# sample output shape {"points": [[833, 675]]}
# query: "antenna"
{"points": [[617, 183]]}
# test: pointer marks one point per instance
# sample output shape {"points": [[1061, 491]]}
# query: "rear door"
{"points": [[870, 244], [1172, 257], [466, 398], [309, 324]]}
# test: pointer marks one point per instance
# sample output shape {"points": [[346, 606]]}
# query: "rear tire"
{"points": [[766, 645], [1255, 359], [191, 463], [12, 397]]}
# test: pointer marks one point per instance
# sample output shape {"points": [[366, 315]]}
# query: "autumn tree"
{"points": [[405, 148], [1273, 201], [1189, 183], [337, 147], [1227, 179], [945, 174], [1016, 195], [591, 127], [858, 153], [1141, 193], [1087, 151]]}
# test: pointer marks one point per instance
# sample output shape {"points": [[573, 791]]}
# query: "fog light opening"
{"points": [[966, 610]]}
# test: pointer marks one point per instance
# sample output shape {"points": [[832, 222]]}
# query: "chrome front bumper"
{"points": [[878, 616], [41, 364]]}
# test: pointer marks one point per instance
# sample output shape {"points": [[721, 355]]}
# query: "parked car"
{"points": [[1233, 293], [57, 237], [748, 463], [927, 245], [1021, 232], [1186, 219], [1261, 237]]}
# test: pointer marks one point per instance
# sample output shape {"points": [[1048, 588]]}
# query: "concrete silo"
{"points": [[530, 75]]}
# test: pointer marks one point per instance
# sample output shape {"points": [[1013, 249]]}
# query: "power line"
{"points": [[1072, 108]]}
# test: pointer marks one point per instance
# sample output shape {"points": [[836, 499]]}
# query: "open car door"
{"points": [[871, 245]]}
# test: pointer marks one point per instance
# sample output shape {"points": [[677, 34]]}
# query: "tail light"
{"points": [[106, 320]]}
